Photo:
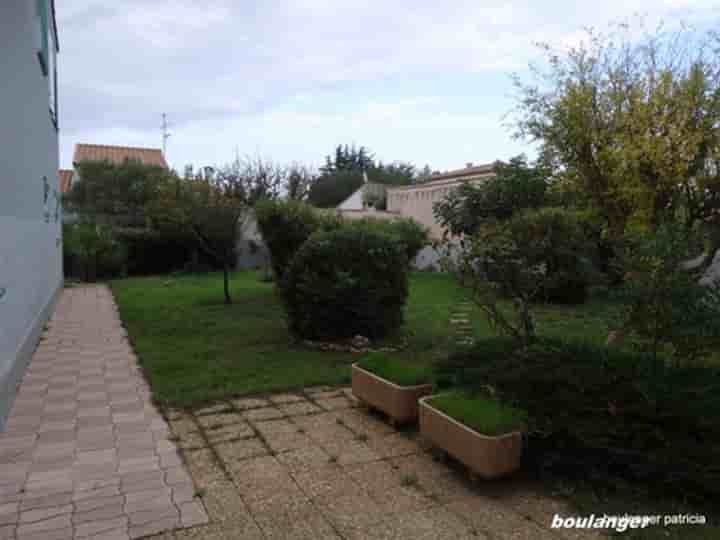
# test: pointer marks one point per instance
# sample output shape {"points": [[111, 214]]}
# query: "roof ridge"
{"points": [[119, 146]]}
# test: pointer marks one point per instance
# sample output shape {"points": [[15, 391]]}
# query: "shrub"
{"points": [[408, 233], [93, 251], [160, 252], [557, 240], [286, 225], [346, 282], [604, 413], [664, 303]]}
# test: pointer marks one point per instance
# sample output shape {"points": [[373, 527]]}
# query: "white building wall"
{"points": [[30, 227], [353, 202]]}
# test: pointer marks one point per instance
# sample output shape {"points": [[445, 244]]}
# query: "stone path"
{"points": [[460, 322], [313, 465], [85, 454]]}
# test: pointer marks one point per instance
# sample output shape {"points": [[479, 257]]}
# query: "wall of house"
{"points": [[30, 224], [353, 202]]}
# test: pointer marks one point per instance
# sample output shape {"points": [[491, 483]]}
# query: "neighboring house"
{"points": [[416, 201], [361, 197], [30, 205], [112, 154], [66, 178]]}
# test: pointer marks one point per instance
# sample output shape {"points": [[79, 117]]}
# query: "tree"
{"points": [[115, 192], [633, 124], [393, 174], [348, 158], [299, 181], [517, 185], [330, 189], [209, 207]]}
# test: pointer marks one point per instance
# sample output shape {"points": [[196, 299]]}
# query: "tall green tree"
{"points": [[632, 123]]}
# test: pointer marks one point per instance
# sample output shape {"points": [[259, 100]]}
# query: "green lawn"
{"points": [[196, 349]]}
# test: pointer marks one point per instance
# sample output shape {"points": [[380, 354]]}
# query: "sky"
{"points": [[428, 82]]}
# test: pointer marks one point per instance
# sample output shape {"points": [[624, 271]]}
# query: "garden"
{"points": [[589, 355]]}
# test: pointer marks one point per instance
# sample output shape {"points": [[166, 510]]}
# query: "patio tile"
{"points": [[266, 413], [250, 403], [232, 452], [299, 408], [279, 399]]}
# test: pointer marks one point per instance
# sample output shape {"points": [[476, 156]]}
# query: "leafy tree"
{"points": [[330, 189], [632, 124], [209, 208], [393, 174], [299, 180], [117, 193], [516, 186], [664, 304], [348, 158]]}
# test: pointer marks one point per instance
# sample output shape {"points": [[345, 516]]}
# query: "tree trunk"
{"points": [[226, 283]]}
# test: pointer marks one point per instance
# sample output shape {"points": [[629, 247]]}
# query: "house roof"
{"points": [[118, 154], [371, 187], [65, 179], [469, 172]]}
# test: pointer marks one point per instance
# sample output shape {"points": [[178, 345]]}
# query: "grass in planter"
{"points": [[485, 415], [400, 372]]}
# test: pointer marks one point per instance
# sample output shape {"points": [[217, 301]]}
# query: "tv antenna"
{"points": [[165, 133]]}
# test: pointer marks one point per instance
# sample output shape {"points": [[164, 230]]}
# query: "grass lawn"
{"points": [[196, 349]]}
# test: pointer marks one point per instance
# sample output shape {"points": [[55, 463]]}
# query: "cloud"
{"points": [[239, 70]]}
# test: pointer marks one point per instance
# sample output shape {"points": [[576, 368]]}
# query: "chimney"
{"points": [[469, 165]]}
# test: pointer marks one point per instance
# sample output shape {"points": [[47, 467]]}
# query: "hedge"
{"points": [[346, 282]]}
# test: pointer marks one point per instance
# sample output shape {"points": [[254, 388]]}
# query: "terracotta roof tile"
{"points": [[452, 177], [65, 179], [118, 154]]}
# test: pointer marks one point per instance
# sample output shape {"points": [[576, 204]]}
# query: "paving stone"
{"points": [[214, 421], [250, 403], [232, 452], [267, 413], [229, 433], [212, 409], [204, 468], [299, 408], [278, 399]]}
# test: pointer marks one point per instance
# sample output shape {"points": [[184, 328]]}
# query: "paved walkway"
{"points": [[313, 465], [85, 454]]}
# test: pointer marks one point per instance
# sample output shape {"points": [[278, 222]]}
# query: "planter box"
{"points": [[400, 403], [487, 457]]}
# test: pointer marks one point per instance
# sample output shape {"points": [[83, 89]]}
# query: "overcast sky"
{"points": [[421, 81]]}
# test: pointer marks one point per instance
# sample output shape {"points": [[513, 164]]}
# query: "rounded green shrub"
{"points": [[410, 235], [285, 225], [346, 282]]}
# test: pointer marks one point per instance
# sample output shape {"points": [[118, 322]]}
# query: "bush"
{"points": [[408, 233], [346, 282], [558, 241], [161, 252], [93, 251], [665, 305], [286, 225], [604, 413]]}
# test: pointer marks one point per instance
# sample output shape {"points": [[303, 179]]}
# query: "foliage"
{"points": [[395, 370], [286, 225], [398, 173], [408, 233], [632, 123], [481, 413], [94, 249], [516, 186], [119, 192], [664, 302], [332, 188], [208, 207], [536, 255], [151, 251], [604, 413], [348, 158], [346, 282]]}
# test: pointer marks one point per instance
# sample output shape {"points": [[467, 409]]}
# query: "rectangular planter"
{"points": [[400, 403], [485, 456]]}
